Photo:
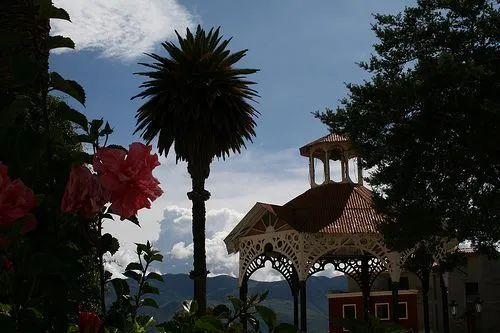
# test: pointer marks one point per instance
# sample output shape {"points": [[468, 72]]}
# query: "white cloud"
{"points": [[175, 241], [122, 29], [181, 251]]}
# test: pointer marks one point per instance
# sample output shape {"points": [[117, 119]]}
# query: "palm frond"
{"points": [[196, 100]]}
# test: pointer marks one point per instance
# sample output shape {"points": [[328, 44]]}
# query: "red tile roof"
{"points": [[331, 208], [330, 138]]}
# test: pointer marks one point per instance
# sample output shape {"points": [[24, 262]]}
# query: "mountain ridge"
{"points": [[178, 287]]}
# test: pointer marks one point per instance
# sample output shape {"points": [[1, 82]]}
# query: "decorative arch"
{"points": [[285, 244], [278, 262], [317, 246], [352, 267]]}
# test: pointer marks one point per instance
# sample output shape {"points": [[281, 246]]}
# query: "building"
{"points": [[474, 286], [335, 223]]}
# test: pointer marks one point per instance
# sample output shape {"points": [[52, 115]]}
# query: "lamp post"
{"points": [[454, 307], [478, 304], [472, 314]]}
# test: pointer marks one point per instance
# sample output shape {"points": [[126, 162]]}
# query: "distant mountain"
{"points": [[178, 287]]}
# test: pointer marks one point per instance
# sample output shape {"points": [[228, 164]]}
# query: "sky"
{"points": [[306, 52]]}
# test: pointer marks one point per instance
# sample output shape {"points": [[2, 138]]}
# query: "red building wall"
{"points": [[335, 308]]}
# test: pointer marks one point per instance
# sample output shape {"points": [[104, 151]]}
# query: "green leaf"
{"points": [[108, 243], [55, 42], [150, 302], [149, 289], [69, 87], [68, 113], [221, 310], [59, 13], [108, 216], [134, 266], [121, 287], [95, 126], [236, 303], [157, 257], [118, 147], [190, 306], [133, 275], [5, 308], [154, 276], [107, 275], [263, 296], [133, 219], [145, 321], [106, 131], [85, 138], [73, 329], [209, 323], [142, 248], [268, 315]]}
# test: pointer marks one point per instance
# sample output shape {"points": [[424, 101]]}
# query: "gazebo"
{"points": [[333, 222]]}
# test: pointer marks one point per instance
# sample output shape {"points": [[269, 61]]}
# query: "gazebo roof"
{"points": [[327, 139], [336, 208]]}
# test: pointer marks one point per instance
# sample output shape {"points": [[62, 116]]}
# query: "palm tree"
{"points": [[199, 103]]}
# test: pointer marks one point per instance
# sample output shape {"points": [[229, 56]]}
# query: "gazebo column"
{"points": [[295, 288], [394, 259], [425, 296], [326, 167], [365, 286], [243, 298], [444, 300], [296, 310], [303, 306], [311, 171], [360, 171]]}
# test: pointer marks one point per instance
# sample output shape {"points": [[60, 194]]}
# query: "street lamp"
{"points": [[454, 307], [478, 305]]}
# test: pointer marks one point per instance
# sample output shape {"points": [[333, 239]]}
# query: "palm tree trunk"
{"points": [[199, 273]]}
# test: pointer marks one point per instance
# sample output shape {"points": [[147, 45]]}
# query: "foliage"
{"points": [[53, 276], [373, 325], [199, 103], [224, 319], [427, 122], [123, 314], [56, 270]]}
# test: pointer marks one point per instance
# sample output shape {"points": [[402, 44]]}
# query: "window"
{"points": [[403, 310], [349, 311], [382, 311]]}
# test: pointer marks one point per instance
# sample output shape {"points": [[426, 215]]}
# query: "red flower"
{"points": [[128, 177], [83, 194], [89, 323], [16, 200]]}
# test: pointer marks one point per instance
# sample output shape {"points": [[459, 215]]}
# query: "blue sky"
{"points": [[305, 50]]}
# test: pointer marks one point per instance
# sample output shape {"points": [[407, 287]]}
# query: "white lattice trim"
{"points": [[318, 245], [288, 243]]}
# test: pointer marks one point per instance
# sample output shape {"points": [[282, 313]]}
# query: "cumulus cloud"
{"points": [[181, 251], [122, 29], [175, 240]]}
